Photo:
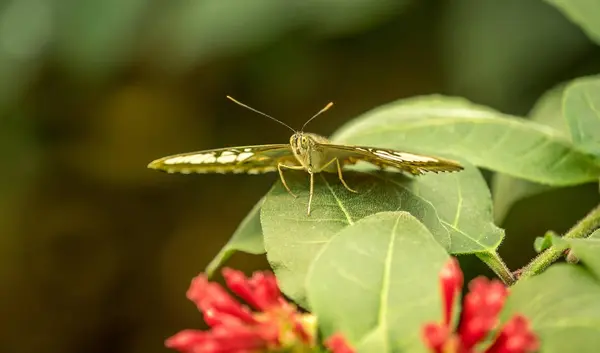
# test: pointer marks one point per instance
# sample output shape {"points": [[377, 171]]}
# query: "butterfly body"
{"points": [[309, 151]]}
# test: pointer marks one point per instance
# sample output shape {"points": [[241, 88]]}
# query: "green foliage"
{"points": [[587, 250], [365, 264], [585, 13], [482, 136], [381, 249], [456, 208], [507, 190], [377, 265], [570, 110], [542, 243], [562, 304], [582, 112]]}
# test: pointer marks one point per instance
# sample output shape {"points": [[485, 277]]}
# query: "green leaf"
{"points": [[247, 237], [455, 207], [562, 304], [507, 190], [542, 243], [482, 136], [585, 13], [376, 282], [582, 112]]}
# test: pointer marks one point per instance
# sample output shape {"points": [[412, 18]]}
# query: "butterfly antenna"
{"points": [[329, 105], [261, 113]]}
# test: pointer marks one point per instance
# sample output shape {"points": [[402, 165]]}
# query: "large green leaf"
{"points": [[247, 238], [562, 304], [482, 136], [456, 208], [376, 282], [582, 111], [506, 189], [585, 13]]}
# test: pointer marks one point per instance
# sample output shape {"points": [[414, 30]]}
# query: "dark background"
{"points": [[97, 251]]}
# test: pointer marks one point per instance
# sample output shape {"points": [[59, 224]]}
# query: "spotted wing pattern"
{"points": [[384, 158], [247, 159]]}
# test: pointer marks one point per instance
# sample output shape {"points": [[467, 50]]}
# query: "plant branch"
{"points": [[582, 229], [494, 261]]}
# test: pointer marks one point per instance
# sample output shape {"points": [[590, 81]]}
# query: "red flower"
{"points": [[337, 344], [479, 316], [235, 328]]}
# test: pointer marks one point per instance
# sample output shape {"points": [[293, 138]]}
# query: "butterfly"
{"points": [[305, 151]]}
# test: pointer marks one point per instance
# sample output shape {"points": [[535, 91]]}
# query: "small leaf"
{"points": [[542, 243], [247, 237], [455, 207], [480, 135], [585, 13], [582, 112], [563, 307], [376, 282]]}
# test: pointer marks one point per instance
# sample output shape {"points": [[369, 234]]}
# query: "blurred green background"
{"points": [[97, 251]]}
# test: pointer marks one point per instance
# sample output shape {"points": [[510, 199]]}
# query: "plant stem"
{"points": [[582, 229], [494, 261]]}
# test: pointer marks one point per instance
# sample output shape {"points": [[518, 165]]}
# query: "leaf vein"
{"points": [[562, 158], [536, 146], [459, 203], [339, 202], [385, 285], [345, 274], [465, 234]]}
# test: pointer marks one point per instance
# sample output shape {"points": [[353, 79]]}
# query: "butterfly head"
{"points": [[301, 143], [307, 148]]}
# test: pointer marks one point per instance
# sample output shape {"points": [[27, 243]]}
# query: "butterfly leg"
{"points": [[310, 194], [280, 167], [339, 168]]}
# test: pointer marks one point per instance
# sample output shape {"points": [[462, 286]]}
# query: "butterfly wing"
{"points": [[408, 162], [247, 159]]}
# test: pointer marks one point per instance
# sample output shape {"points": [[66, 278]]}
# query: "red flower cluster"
{"points": [[276, 324], [478, 318], [337, 344]]}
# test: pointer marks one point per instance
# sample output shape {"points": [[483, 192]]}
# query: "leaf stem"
{"points": [[582, 229], [494, 261]]}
